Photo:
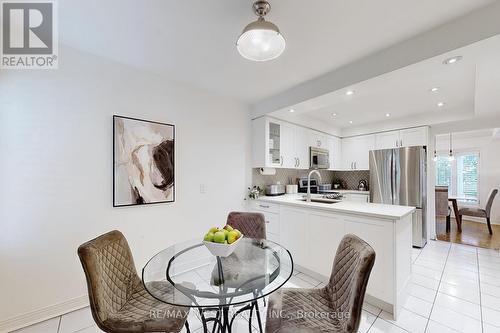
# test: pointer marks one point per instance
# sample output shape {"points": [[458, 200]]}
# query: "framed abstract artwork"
{"points": [[143, 162]]}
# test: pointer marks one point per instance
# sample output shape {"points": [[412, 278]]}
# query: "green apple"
{"points": [[220, 237], [228, 227], [232, 237], [225, 232], [209, 237], [238, 232], [213, 230]]}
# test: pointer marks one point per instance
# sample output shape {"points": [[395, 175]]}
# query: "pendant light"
{"points": [[261, 40], [451, 157]]}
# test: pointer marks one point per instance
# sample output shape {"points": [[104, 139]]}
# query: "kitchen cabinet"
{"points": [[271, 217], [402, 138], [267, 143], [355, 152], [334, 145], [317, 139], [294, 232], [301, 147]]}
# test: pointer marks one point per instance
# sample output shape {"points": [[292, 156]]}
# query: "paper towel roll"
{"points": [[292, 189], [267, 171]]}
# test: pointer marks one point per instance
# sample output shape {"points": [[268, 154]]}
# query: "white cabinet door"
{"points": [[414, 137], [335, 148], [387, 140], [348, 154], [355, 152], [326, 232], [294, 233], [318, 139], [274, 131], [301, 144], [287, 145], [357, 197]]}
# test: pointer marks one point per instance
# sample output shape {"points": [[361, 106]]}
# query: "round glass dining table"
{"points": [[187, 274]]}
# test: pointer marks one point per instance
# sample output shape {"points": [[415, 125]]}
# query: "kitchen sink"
{"points": [[320, 200]]}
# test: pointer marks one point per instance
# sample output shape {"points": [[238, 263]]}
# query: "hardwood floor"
{"points": [[473, 233]]}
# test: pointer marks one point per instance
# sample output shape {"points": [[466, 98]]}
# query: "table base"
{"points": [[222, 323]]}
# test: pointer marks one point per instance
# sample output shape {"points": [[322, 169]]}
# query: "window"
{"points": [[461, 175]]}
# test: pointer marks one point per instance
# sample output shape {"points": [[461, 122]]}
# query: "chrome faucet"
{"points": [[308, 197]]}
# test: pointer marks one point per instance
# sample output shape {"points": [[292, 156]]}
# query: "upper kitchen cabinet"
{"points": [[355, 152], [334, 145], [318, 139], [267, 143], [278, 144], [403, 138]]}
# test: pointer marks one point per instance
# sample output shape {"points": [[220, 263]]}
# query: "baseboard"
{"points": [[43, 314]]}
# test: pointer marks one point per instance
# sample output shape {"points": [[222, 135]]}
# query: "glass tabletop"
{"points": [[187, 274]]}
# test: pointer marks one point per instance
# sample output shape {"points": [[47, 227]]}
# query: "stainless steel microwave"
{"points": [[319, 158]]}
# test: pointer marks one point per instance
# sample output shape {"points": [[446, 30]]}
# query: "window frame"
{"points": [[454, 173]]}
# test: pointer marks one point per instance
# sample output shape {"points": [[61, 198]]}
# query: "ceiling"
{"points": [[467, 88], [193, 41]]}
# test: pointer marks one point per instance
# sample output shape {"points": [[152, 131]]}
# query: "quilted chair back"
{"points": [[110, 272], [252, 225], [491, 197], [351, 269]]}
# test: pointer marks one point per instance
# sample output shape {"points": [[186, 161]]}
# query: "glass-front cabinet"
{"points": [[275, 155]]}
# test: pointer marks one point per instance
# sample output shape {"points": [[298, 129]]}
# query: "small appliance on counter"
{"points": [[363, 185], [324, 187], [292, 189], [303, 185], [275, 189]]}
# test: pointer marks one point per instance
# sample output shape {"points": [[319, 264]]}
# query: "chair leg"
{"points": [[488, 221], [187, 327], [448, 223]]}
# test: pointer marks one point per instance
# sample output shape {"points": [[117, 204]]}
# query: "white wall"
{"points": [[489, 165], [56, 171]]}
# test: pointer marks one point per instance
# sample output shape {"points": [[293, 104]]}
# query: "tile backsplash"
{"points": [[350, 179]]}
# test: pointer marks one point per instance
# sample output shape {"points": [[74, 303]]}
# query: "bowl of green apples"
{"points": [[222, 242]]}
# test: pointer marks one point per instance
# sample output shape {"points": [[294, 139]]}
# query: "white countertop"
{"points": [[351, 191], [392, 212]]}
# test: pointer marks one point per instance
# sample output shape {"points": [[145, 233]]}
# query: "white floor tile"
{"points": [[308, 279], [418, 291], [455, 320], [491, 316], [76, 320], [490, 289], [466, 292], [407, 320], [430, 264], [459, 305], [451, 272], [295, 282], [487, 328], [424, 281], [48, 326], [435, 327], [382, 326], [491, 302], [418, 306], [430, 273], [91, 329], [367, 320], [490, 279]]}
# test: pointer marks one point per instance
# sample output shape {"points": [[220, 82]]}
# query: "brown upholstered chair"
{"points": [[118, 301], [442, 204], [338, 305], [480, 212], [252, 225]]}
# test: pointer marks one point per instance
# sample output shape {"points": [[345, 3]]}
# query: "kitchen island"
{"points": [[313, 230]]}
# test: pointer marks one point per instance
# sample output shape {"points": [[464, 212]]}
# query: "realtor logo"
{"points": [[29, 36]]}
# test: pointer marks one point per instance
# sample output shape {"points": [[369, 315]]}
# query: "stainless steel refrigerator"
{"points": [[399, 177]]}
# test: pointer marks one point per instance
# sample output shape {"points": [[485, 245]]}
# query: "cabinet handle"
{"points": [[401, 143], [397, 143], [263, 206], [355, 165], [281, 159], [319, 143], [267, 222]]}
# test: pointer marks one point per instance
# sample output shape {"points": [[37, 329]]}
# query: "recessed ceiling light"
{"points": [[440, 104], [292, 110], [387, 114], [434, 89], [349, 92], [350, 121], [452, 60], [334, 114]]}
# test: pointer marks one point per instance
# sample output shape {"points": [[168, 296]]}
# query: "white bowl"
{"points": [[222, 250]]}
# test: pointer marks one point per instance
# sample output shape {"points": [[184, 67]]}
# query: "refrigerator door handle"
{"points": [[393, 179]]}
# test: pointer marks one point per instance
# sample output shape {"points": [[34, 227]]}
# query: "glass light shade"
{"points": [[261, 41], [451, 157]]}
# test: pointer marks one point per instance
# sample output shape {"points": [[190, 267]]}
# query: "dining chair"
{"points": [[337, 305], [252, 225], [442, 204], [118, 300], [480, 212]]}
